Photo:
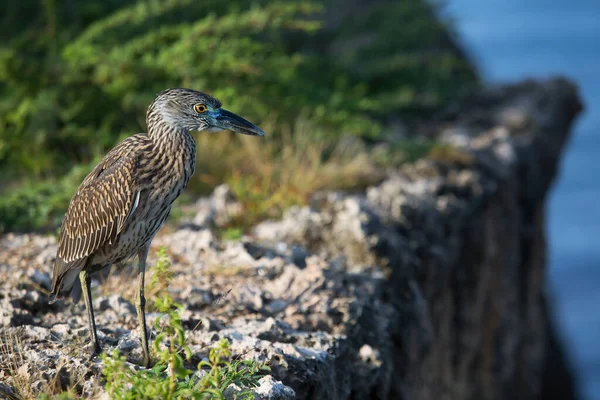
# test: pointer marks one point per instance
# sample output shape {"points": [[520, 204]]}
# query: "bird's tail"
{"points": [[65, 282]]}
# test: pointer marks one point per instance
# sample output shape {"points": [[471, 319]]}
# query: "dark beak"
{"points": [[233, 122]]}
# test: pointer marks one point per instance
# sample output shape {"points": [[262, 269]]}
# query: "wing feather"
{"points": [[99, 210]]}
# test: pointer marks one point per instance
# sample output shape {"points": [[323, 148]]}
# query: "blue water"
{"points": [[514, 39]]}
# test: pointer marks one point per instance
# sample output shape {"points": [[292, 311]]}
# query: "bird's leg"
{"points": [[86, 283], [140, 304]]}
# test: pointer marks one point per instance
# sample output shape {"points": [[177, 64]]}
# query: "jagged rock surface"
{"points": [[429, 285]]}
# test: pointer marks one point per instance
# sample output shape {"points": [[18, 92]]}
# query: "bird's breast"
{"points": [[161, 180], [168, 176]]}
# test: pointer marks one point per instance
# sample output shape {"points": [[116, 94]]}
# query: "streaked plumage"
{"points": [[127, 197]]}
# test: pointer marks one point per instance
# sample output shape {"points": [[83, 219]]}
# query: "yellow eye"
{"points": [[200, 108]]}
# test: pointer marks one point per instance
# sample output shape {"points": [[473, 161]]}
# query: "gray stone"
{"points": [[189, 243], [41, 279], [249, 296], [270, 389], [129, 343], [60, 330], [299, 255], [197, 298], [116, 303], [218, 209], [233, 392], [275, 306], [36, 333], [7, 392]]}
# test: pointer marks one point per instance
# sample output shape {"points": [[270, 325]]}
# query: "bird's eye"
{"points": [[200, 108]]}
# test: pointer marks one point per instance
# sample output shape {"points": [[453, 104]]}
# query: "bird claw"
{"points": [[96, 352], [146, 363]]}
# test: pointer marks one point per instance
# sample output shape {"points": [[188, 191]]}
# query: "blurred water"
{"points": [[514, 39]]}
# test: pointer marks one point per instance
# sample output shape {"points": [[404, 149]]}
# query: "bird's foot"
{"points": [[146, 363], [96, 352]]}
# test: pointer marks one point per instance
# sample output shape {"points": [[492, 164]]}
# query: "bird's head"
{"points": [[196, 111]]}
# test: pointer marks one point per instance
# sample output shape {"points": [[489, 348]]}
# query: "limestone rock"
{"points": [[270, 389], [427, 285]]}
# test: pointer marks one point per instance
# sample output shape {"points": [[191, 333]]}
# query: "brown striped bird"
{"points": [[127, 197]]}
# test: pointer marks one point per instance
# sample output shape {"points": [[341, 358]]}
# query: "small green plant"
{"points": [[232, 233], [170, 378], [224, 371], [68, 395], [161, 277]]}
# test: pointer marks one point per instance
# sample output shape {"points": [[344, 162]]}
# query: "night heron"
{"points": [[122, 203]]}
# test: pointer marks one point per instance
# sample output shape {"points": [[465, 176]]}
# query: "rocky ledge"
{"points": [[428, 285]]}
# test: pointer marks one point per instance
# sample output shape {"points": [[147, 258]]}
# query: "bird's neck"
{"points": [[165, 134], [175, 151], [174, 142], [168, 137]]}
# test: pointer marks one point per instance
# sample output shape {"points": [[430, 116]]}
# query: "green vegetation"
{"points": [[180, 383], [170, 378], [232, 234], [76, 77], [34, 205], [68, 395]]}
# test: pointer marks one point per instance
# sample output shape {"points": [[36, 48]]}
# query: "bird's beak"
{"points": [[227, 120]]}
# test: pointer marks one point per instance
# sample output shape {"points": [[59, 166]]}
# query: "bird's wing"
{"points": [[99, 210]]}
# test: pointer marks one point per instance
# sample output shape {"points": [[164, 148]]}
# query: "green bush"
{"points": [[38, 205], [156, 383], [76, 77]]}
